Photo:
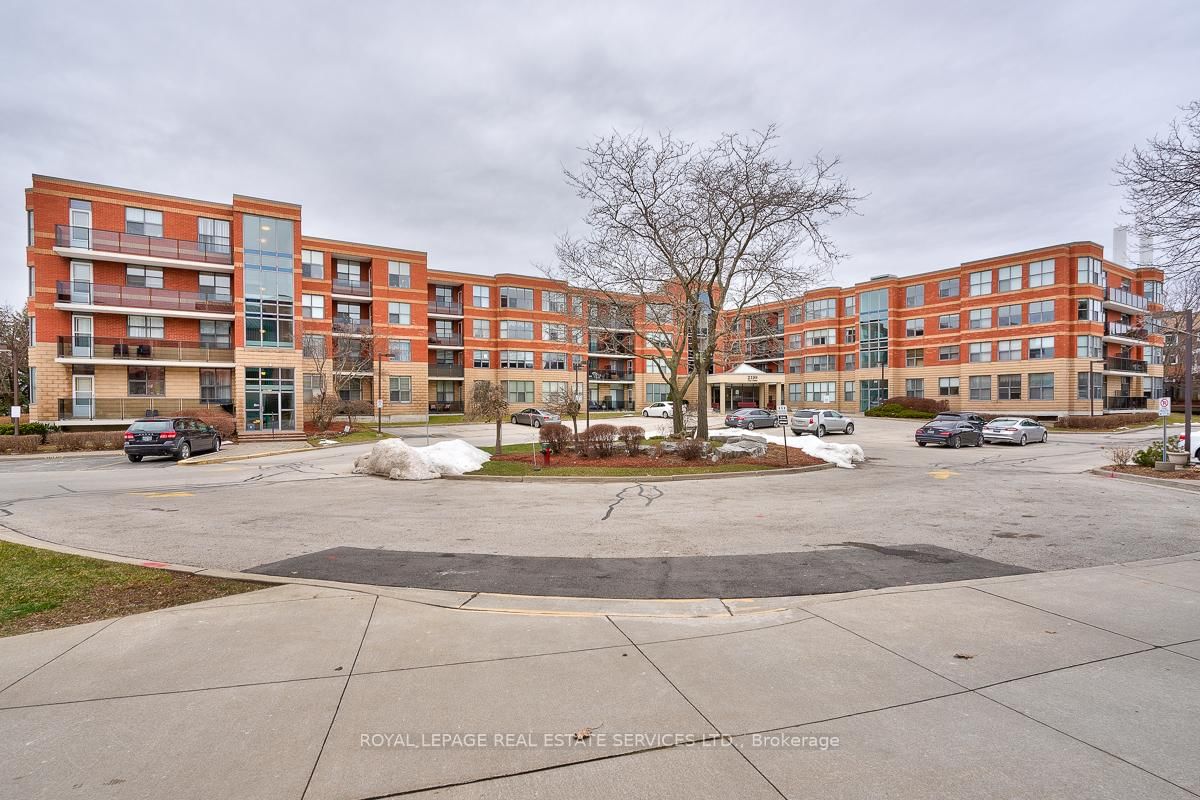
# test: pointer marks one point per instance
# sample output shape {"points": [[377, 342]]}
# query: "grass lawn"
{"points": [[523, 468], [353, 437], [41, 589], [434, 419]]}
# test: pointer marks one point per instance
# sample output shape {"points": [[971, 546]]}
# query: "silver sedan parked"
{"points": [[1014, 430], [534, 417]]}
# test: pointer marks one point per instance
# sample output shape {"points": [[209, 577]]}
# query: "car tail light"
{"points": [[811, 420], [943, 433], [167, 435], [128, 435], [1010, 430]]}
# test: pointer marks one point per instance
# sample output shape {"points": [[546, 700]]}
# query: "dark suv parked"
{"points": [[178, 438]]}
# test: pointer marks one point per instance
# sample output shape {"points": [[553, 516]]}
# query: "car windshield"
{"points": [[949, 417], [151, 425], [945, 423]]}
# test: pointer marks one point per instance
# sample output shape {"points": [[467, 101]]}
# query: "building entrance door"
{"points": [[83, 396]]}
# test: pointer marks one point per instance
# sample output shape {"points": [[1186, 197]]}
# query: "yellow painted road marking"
{"points": [[163, 494], [942, 474]]}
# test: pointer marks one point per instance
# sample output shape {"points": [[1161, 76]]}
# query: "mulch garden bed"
{"points": [[1180, 473], [773, 458]]}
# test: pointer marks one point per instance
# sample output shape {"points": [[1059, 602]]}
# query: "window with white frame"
{"points": [[948, 352], [32, 280], [820, 392], [400, 388], [979, 387], [820, 309], [1009, 387], [820, 336], [401, 350], [481, 328], [980, 318], [660, 313], [795, 365], [140, 327], [914, 357], [516, 359], [914, 327], [1041, 386], [914, 295], [555, 302], [795, 315], [948, 322], [1154, 355], [481, 296], [143, 221], [848, 304], [144, 277], [213, 234], [313, 306], [215, 286], [820, 364], [554, 360], [399, 275], [1090, 310], [1089, 381], [482, 359], [848, 361], [519, 392], [914, 387], [29, 227], [216, 333], [794, 341], [554, 332], [850, 335], [795, 393], [980, 283], [1008, 279], [948, 287], [399, 314], [1041, 273], [312, 263], [979, 352], [848, 391], [948, 387], [1089, 347], [1088, 270], [31, 331], [1041, 312], [1007, 316], [1008, 350], [1041, 348], [314, 345], [516, 297], [516, 329], [552, 389]]}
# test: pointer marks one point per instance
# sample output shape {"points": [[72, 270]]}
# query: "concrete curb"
{"points": [[201, 461], [51, 456], [703, 476], [1185, 484]]}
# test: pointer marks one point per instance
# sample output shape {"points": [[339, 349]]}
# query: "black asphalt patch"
{"points": [[837, 569]]}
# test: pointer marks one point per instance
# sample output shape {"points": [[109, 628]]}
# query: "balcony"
{"points": [[136, 248], [1122, 403], [166, 300], [1125, 300], [446, 407], [440, 309], [764, 331], [352, 287], [611, 405], [349, 326], [126, 409], [611, 322], [445, 371], [610, 375], [453, 340], [1125, 365], [1124, 333], [607, 347], [120, 350]]}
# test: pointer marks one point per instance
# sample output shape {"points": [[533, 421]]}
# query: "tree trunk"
{"points": [[676, 413], [499, 435], [702, 404]]}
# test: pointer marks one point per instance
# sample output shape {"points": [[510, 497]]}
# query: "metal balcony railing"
{"points": [[136, 349], [1125, 364], [445, 371], [446, 407], [349, 325], [1126, 298], [129, 408], [352, 286], [609, 375], [611, 405], [610, 347], [611, 321], [452, 309], [453, 340], [103, 294], [1122, 403], [136, 244], [1126, 330]]}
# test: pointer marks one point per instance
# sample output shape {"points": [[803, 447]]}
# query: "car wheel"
{"points": [[955, 442], [537, 423], [1045, 436], [185, 452], [849, 428], [514, 420], [133, 458], [920, 444], [217, 444], [1024, 440], [820, 431], [645, 413], [979, 441]]}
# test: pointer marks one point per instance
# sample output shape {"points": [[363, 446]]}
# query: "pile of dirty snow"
{"points": [[396, 459], [843, 455]]}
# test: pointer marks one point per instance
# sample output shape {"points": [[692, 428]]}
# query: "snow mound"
{"points": [[399, 461], [842, 455]]}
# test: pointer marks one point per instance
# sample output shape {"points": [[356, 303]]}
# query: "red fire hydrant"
{"points": [[546, 454]]}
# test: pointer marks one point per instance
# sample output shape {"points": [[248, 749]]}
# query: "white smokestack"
{"points": [[1145, 251], [1120, 253]]}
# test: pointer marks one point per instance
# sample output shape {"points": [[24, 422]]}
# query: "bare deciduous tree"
{"points": [[705, 231], [353, 359], [323, 406], [1162, 192], [489, 403], [566, 403], [14, 336]]}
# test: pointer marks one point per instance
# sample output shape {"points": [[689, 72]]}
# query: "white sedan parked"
{"points": [[1014, 430], [660, 409]]}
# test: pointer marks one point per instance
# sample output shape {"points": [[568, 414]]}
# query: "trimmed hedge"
{"points": [[86, 440], [890, 409], [29, 429], [555, 435], [598, 440], [27, 443], [1107, 422]]}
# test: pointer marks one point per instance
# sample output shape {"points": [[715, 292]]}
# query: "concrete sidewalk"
{"points": [[1077, 684]]}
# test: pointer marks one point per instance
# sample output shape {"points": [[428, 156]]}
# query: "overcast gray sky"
{"points": [[975, 130]]}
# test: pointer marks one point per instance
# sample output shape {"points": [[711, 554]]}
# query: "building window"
{"points": [[554, 332], [516, 359], [1154, 355], [555, 302], [794, 341], [139, 327], [313, 306], [848, 306], [312, 263], [658, 313], [144, 277], [483, 359], [820, 336], [1009, 387], [399, 314], [1042, 347], [213, 234], [794, 366], [820, 392], [216, 333], [1089, 270], [314, 387], [1041, 312], [516, 329], [820, 309], [980, 283], [1091, 310], [268, 283], [914, 387], [819, 364], [1008, 350], [948, 322], [481, 328], [519, 392], [516, 297], [948, 287], [915, 357], [848, 362], [216, 386], [658, 393], [1041, 273], [795, 313], [848, 391], [980, 387], [914, 295], [401, 350], [1007, 316], [32, 280], [851, 335], [215, 287], [1094, 380], [873, 328], [351, 390], [980, 318], [144, 222], [400, 388], [31, 331], [914, 327], [1041, 386], [314, 345], [29, 227], [948, 353], [399, 275], [1153, 291], [554, 360], [948, 387], [147, 381], [1009, 278], [32, 383], [481, 296], [795, 393], [979, 352], [1089, 347]]}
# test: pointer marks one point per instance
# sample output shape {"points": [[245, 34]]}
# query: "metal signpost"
{"points": [[1164, 411], [782, 417]]}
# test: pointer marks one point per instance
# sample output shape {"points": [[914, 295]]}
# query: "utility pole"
{"points": [[379, 393], [1188, 367]]}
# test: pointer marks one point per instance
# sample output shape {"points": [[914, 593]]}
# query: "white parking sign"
{"points": [[1164, 406]]}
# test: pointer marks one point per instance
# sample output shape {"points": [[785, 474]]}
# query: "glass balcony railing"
{"points": [[1125, 365], [136, 244], [1126, 330], [130, 408], [446, 407], [1126, 298], [103, 294], [135, 349], [1122, 403], [610, 375], [450, 309]]}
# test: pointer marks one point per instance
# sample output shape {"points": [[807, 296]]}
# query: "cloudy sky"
{"points": [[974, 130]]}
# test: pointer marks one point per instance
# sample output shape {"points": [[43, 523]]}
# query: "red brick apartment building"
{"points": [[145, 302]]}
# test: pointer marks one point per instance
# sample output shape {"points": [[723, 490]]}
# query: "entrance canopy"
{"points": [[745, 386]]}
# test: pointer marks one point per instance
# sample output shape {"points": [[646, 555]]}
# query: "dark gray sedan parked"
{"points": [[534, 417], [751, 418], [949, 433]]}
